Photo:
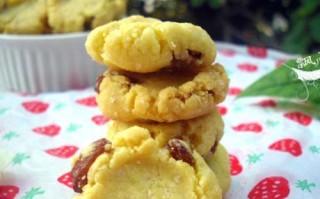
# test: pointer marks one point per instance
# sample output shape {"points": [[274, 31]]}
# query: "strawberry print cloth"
{"points": [[273, 145]]}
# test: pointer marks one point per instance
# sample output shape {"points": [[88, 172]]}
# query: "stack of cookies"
{"points": [[161, 92]]}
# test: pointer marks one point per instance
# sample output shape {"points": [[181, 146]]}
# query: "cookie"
{"points": [[219, 163], [200, 133], [134, 166], [78, 15], [161, 96], [57, 16], [144, 45], [23, 17]]}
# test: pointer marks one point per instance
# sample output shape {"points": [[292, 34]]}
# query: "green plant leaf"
{"points": [[315, 28], [297, 40], [216, 3], [308, 7], [288, 82], [197, 3], [295, 45]]}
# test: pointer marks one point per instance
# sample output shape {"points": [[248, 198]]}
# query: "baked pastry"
{"points": [[201, 133], [134, 166], [162, 96], [23, 17], [144, 45], [57, 16], [218, 161], [78, 15]]}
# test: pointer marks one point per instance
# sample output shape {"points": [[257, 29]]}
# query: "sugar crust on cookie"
{"points": [[163, 96], [200, 133], [143, 45], [137, 167]]}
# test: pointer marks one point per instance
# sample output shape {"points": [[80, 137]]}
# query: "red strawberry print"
{"points": [[287, 145], [273, 187], [222, 109], [247, 67], [257, 51], [66, 179], [88, 101], [252, 127], [235, 166], [227, 52], [35, 107], [63, 151], [49, 130], [298, 117], [8, 191], [234, 91], [100, 119], [267, 103]]}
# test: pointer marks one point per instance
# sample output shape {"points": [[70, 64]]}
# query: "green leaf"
{"points": [[308, 7], [216, 3], [315, 28], [298, 39], [287, 82], [197, 3]]}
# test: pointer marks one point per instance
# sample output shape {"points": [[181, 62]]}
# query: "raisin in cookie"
{"points": [[143, 45], [161, 96], [201, 133], [218, 161], [134, 166]]}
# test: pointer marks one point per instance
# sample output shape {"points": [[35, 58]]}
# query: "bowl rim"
{"points": [[56, 36]]}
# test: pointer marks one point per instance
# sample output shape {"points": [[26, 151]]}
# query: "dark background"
{"points": [[292, 26]]}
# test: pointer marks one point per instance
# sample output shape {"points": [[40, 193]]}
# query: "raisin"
{"points": [[179, 151], [190, 62], [80, 169], [98, 82], [195, 54], [214, 147]]}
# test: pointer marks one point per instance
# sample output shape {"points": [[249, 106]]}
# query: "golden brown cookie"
{"points": [[143, 45], [57, 16], [79, 15], [134, 166], [219, 163], [200, 133], [161, 96], [23, 17]]}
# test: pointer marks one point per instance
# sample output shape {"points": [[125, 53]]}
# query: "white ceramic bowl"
{"points": [[45, 63]]}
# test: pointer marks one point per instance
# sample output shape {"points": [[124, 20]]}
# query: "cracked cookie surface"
{"points": [[80, 15], [201, 133], [136, 167], [144, 45], [57, 16], [23, 17], [161, 96]]}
